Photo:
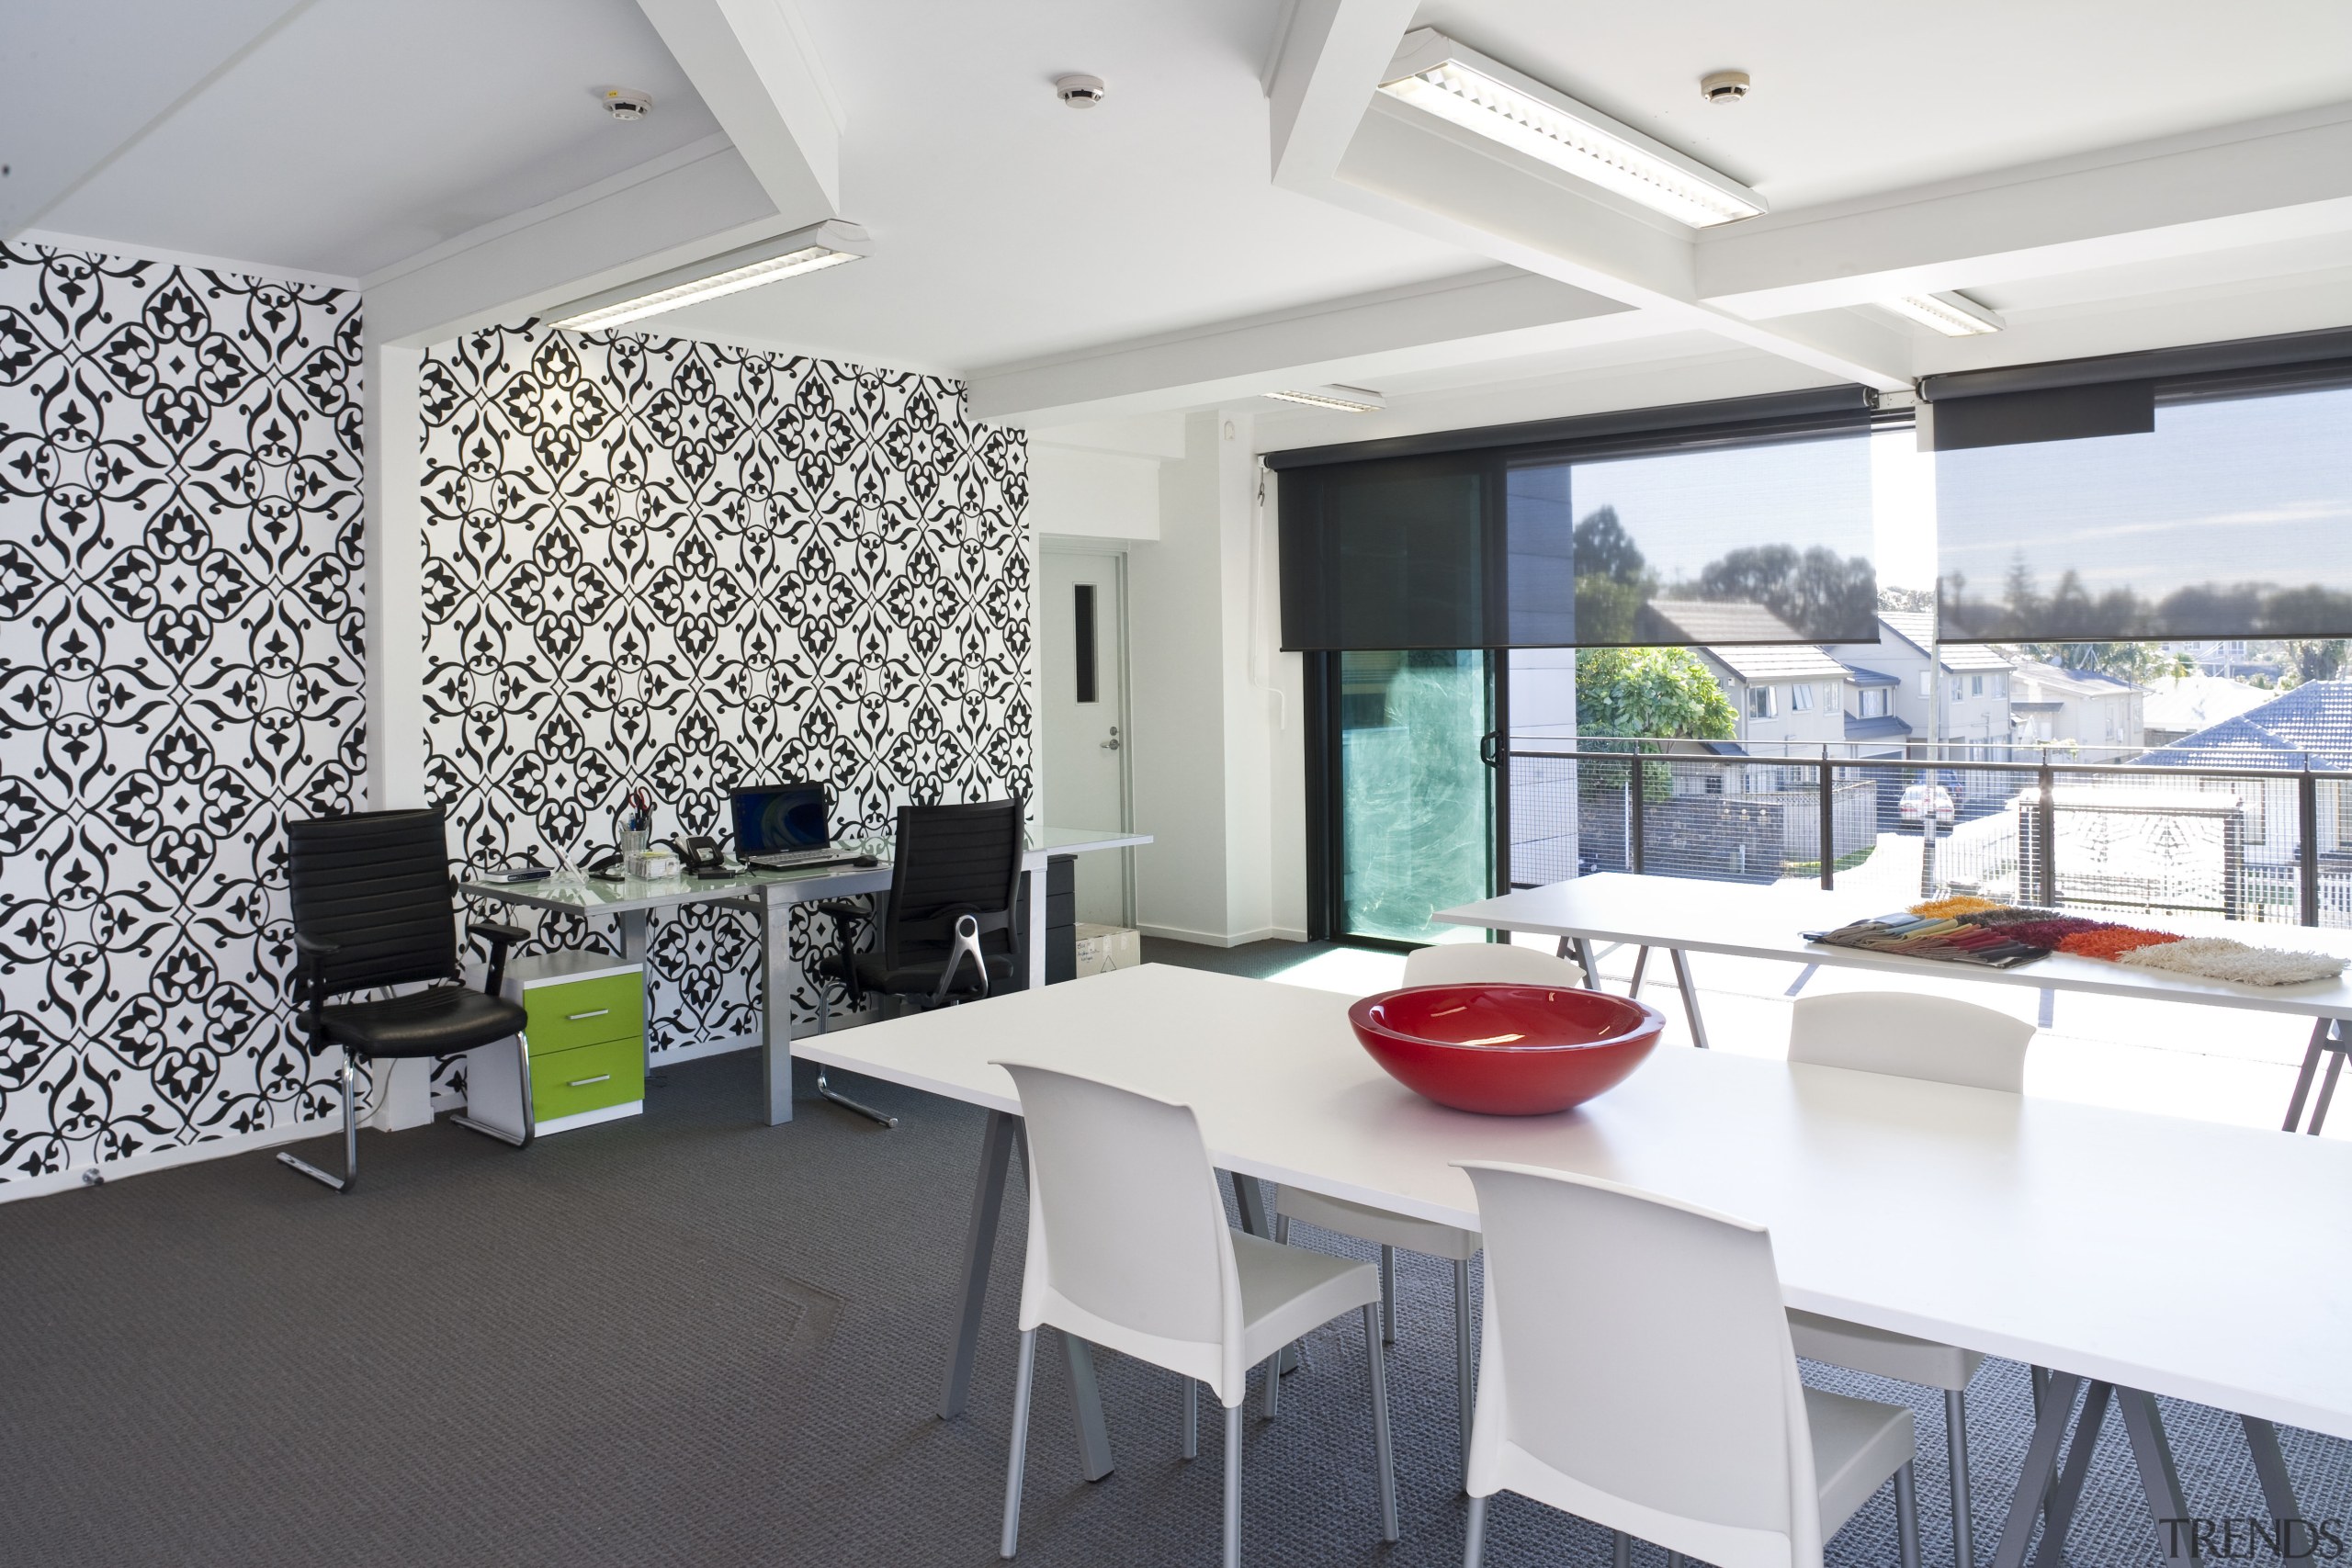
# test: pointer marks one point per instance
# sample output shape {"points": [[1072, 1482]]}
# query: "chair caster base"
{"points": [[340, 1183], [825, 1093]]}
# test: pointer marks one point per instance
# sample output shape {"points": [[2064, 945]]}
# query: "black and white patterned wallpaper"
{"points": [[662, 563], [180, 669]]}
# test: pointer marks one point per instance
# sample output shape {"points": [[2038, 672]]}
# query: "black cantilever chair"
{"points": [[371, 899], [949, 932]]}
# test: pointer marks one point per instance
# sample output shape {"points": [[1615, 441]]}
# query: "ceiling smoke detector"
{"points": [[628, 103], [1724, 86], [1081, 92]]}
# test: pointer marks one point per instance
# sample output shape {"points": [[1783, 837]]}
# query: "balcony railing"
{"points": [[2045, 826]]}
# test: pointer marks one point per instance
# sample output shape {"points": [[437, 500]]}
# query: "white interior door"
{"points": [[1085, 719]]}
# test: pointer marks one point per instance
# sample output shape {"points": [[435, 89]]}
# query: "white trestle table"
{"points": [[2061, 1236], [1685, 914]]}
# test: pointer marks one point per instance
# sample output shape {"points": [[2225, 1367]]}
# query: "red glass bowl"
{"points": [[1505, 1050]]}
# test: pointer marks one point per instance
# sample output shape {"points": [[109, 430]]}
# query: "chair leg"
{"points": [[1474, 1534], [1273, 1403], [1906, 1517], [1192, 1418], [825, 1091], [1233, 1486], [1388, 1295], [1025, 1380], [349, 1078], [1620, 1549], [1382, 1454], [1963, 1510], [530, 1117], [1465, 1389]]}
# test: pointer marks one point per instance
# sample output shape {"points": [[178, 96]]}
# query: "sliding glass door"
{"points": [[1413, 801]]}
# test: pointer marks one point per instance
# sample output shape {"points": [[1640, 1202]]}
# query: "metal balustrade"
{"points": [[2040, 826]]}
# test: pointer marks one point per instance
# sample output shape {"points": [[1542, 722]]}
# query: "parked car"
{"points": [[1914, 806]]}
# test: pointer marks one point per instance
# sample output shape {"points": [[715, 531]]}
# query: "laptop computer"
{"points": [[780, 826]]}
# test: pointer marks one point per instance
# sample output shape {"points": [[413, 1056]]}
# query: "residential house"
{"points": [[2053, 705], [1872, 726], [2308, 726], [1961, 700], [2230, 658], [1791, 696], [2178, 707]]}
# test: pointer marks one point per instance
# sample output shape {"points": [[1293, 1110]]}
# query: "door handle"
{"points": [[583, 1083], [576, 1017], [1111, 745]]}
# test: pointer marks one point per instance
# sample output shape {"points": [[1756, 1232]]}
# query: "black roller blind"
{"points": [[2226, 513], [1750, 525]]}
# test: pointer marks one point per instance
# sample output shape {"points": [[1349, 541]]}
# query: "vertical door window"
{"points": [[1416, 802], [1084, 641]]}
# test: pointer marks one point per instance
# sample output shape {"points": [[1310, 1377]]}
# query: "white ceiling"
{"points": [[364, 131], [1008, 226], [1851, 98], [1162, 252]]}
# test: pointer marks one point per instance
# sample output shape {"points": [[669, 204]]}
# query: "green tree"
{"points": [[1661, 693], [2315, 659]]}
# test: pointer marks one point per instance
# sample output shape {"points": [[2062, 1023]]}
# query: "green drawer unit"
{"points": [[586, 1012], [584, 1028], [586, 1078]]}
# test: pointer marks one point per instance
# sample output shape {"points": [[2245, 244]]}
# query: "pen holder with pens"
{"points": [[639, 858]]}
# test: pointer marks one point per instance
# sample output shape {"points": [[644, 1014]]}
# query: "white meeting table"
{"points": [[2061, 1236], [1685, 914], [770, 895]]}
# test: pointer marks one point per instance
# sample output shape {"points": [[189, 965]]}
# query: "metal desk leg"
{"points": [[779, 977], [2326, 1092], [1689, 988], [1093, 1437], [2056, 1406], [2320, 1032], [2278, 1490], [1035, 944], [1590, 966], [1641, 964], [633, 924], [2159, 1479], [979, 1252], [2059, 1505]]}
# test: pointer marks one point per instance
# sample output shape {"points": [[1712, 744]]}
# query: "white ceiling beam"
{"points": [[76, 99], [686, 205], [1496, 314], [2277, 179], [753, 64], [1331, 56]]}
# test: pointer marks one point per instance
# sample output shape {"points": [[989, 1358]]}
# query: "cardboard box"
{"points": [[1107, 947]]}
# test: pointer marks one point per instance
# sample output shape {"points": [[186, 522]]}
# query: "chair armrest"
{"points": [[501, 937], [315, 947]]}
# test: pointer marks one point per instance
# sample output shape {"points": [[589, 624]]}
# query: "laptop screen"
{"points": [[776, 819]]}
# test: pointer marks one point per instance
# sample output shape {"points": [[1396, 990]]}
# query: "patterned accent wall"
{"points": [[180, 669], [662, 563]]}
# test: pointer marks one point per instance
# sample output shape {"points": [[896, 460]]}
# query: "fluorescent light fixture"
{"points": [[812, 249], [1344, 400], [1954, 315], [1434, 74]]}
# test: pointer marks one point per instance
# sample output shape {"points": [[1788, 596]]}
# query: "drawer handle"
{"points": [[583, 1083], [576, 1017]]}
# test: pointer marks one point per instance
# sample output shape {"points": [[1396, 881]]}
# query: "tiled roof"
{"points": [[1886, 727], [2192, 702], [2313, 720], [1861, 677], [2076, 682], [1917, 627], [1750, 641]]}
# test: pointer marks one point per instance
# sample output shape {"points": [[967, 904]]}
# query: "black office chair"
{"points": [[950, 932], [370, 896]]}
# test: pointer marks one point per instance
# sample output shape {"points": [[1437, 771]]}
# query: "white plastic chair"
{"points": [[1906, 1035], [1638, 1373], [1450, 964], [1129, 1248]]}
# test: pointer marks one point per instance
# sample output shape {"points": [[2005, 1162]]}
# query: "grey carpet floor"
{"points": [[687, 1339]]}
